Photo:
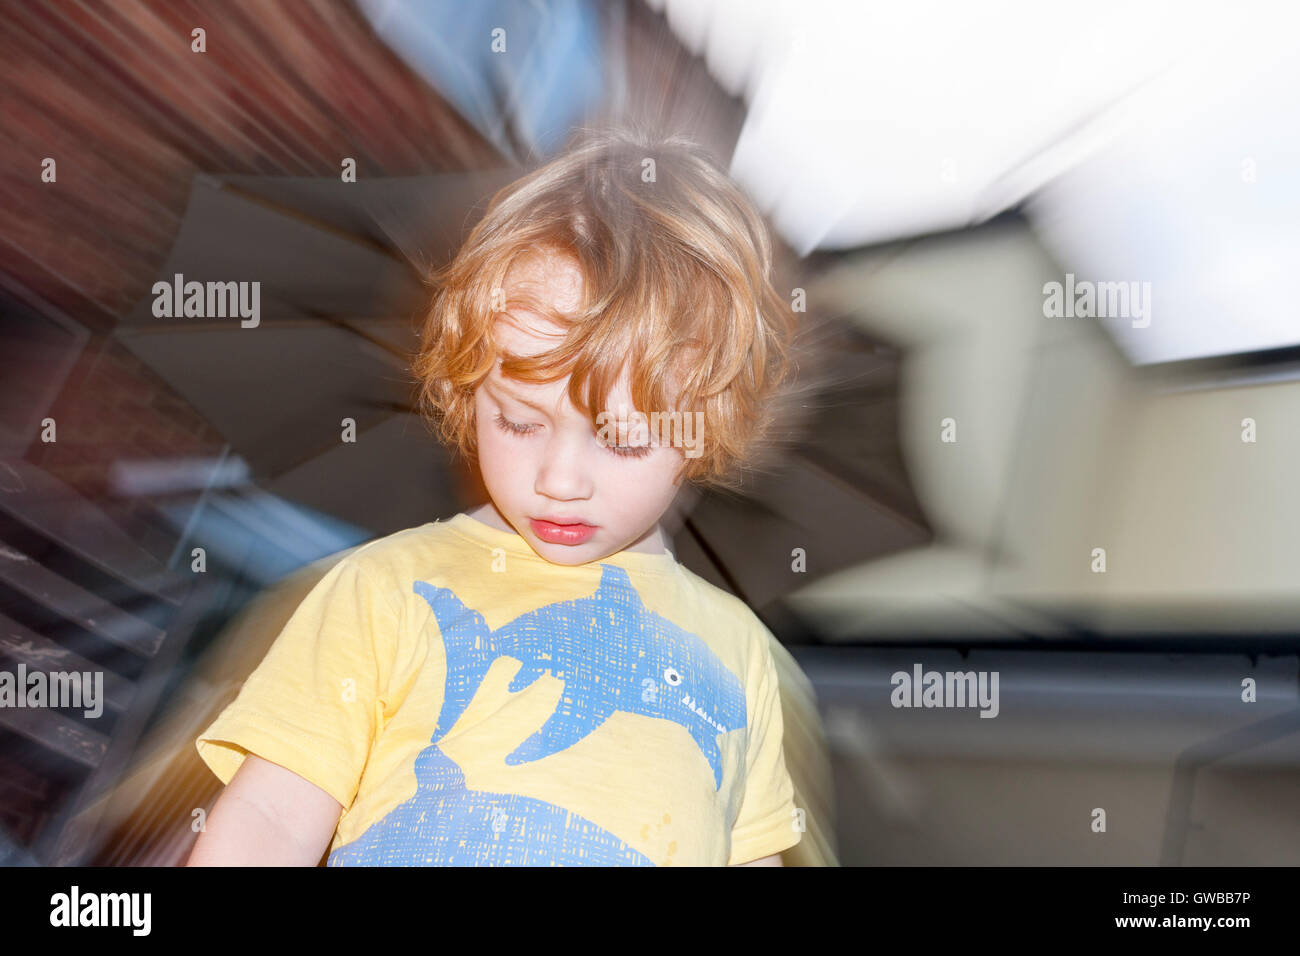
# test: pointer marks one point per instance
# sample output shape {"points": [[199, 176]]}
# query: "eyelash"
{"points": [[622, 451]]}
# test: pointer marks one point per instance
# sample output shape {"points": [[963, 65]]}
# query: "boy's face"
{"points": [[548, 461]]}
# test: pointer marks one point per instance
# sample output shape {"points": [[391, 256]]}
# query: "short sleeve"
{"points": [[766, 822], [314, 702]]}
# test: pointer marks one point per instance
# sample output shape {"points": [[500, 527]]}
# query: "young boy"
{"points": [[538, 681]]}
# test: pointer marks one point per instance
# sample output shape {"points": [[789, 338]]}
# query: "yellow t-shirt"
{"points": [[470, 703]]}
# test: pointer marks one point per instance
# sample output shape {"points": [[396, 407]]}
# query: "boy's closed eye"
{"points": [[520, 430]]}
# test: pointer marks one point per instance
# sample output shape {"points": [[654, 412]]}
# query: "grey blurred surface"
{"points": [[1186, 772]]}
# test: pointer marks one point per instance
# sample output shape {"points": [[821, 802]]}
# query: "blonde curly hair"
{"points": [[677, 267]]}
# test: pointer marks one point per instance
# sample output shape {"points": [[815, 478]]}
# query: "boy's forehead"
{"points": [[552, 277], [552, 393], [524, 333]]}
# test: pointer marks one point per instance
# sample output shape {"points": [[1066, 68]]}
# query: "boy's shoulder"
{"points": [[710, 591], [732, 608], [397, 555]]}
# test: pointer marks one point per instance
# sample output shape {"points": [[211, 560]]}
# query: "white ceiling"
{"points": [[1152, 142]]}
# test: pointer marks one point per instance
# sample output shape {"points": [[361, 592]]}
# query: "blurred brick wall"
{"points": [[114, 93], [114, 408]]}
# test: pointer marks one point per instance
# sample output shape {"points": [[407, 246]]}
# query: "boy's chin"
{"points": [[563, 553], [556, 553]]}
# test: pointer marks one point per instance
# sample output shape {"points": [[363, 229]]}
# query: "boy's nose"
{"points": [[563, 473]]}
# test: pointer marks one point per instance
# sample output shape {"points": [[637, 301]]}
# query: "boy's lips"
{"points": [[565, 530]]}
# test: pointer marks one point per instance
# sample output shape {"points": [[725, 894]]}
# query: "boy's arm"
{"points": [[773, 860], [267, 816]]}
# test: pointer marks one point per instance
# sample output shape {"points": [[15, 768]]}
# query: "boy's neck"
{"points": [[652, 542]]}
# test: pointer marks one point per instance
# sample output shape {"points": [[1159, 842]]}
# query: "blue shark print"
{"points": [[611, 652], [444, 824]]}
